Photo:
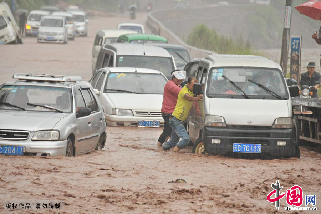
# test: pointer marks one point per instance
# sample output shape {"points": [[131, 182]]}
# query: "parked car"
{"points": [[48, 115], [179, 52], [105, 37], [71, 26], [33, 21], [53, 29], [137, 56], [141, 38], [130, 96], [246, 108], [132, 26], [81, 22], [9, 31]]}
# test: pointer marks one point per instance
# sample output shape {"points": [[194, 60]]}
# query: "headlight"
{"points": [[125, 112], [283, 123], [122, 112], [45, 135], [305, 92], [214, 120]]}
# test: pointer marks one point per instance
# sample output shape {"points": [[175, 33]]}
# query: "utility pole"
{"points": [[286, 37]]}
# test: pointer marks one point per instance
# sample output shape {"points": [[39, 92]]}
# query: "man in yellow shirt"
{"points": [[183, 106]]}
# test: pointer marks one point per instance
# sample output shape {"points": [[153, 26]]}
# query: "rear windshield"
{"points": [[250, 83], [52, 23], [3, 23], [162, 64]]}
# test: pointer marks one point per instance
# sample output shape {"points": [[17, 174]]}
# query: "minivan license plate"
{"points": [[11, 150], [50, 38], [246, 148], [144, 123]]}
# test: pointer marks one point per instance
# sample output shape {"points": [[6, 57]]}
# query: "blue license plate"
{"points": [[148, 123], [11, 150], [246, 148], [50, 38]]}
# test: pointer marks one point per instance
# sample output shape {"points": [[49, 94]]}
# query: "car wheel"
{"points": [[70, 150], [198, 147], [101, 141]]}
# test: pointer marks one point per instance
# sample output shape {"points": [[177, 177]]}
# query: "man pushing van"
{"points": [[183, 106]]}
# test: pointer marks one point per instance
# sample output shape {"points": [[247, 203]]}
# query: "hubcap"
{"points": [[200, 149]]}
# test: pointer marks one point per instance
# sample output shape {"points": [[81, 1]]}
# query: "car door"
{"points": [[95, 119], [83, 129], [96, 49]]}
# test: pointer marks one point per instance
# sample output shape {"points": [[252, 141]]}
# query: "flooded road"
{"points": [[131, 174]]}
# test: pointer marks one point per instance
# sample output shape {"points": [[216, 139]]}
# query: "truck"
{"points": [[9, 31], [307, 112]]}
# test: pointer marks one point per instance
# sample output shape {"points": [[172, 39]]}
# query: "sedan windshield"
{"points": [[35, 98], [138, 83], [52, 23], [248, 83], [162, 64]]}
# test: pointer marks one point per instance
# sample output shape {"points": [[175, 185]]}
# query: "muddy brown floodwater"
{"points": [[131, 174]]}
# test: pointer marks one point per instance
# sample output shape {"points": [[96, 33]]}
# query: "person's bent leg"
{"points": [[182, 133], [174, 137]]}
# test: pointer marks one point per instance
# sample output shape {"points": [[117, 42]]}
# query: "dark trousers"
{"points": [[167, 129]]}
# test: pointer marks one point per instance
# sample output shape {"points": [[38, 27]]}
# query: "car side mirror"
{"points": [[96, 91], [294, 90], [83, 112]]}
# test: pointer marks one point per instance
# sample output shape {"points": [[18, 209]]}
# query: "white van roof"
{"points": [[137, 49], [60, 13], [53, 17], [227, 60], [78, 12], [41, 12], [114, 33]]}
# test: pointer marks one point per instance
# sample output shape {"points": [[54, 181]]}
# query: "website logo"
{"points": [[294, 198]]}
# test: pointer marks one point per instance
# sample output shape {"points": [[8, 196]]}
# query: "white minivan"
{"points": [[33, 21], [103, 37], [9, 31], [246, 108], [137, 56]]}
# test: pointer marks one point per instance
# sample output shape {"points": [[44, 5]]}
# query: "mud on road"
{"points": [[131, 174]]}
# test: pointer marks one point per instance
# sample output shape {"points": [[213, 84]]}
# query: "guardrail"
{"points": [[158, 28]]}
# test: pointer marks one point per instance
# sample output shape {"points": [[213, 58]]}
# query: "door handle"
{"points": [[89, 123]]}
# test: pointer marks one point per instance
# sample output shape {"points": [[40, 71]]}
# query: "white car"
{"points": [[33, 21], [81, 22], [71, 26], [131, 26], [105, 37], [53, 29], [130, 96]]}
